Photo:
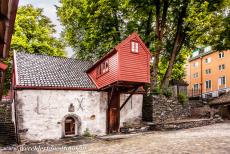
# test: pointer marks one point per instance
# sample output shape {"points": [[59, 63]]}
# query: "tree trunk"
{"points": [[178, 42], [160, 26]]}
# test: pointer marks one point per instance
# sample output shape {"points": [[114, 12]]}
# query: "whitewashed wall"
{"points": [[40, 113], [132, 111]]}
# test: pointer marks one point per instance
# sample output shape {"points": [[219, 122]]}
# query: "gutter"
{"points": [[18, 87]]}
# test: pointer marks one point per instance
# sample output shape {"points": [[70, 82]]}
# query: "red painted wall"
{"points": [[133, 67], [125, 65], [109, 77]]}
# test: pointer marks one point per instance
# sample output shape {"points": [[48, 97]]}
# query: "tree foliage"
{"points": [[33, 33], [209, 24], [170, 28], [92, 27]]}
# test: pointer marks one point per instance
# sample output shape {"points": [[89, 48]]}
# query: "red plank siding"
{"points": [[109, 77], [134, 67], [124, 65]]}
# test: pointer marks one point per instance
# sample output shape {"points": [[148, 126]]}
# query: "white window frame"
{"points": [[196, 64], [208, 71], [134, 46], [208, 60], [221, 67], [221, 54], [195, 75], [194, 89], [219, 81], [209, 86]]}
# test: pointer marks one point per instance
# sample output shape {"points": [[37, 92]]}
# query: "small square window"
{"points": [[221, 54], [195, 64], [103, 68], [207, 60], [221, 67], [195, 75], [134, 47], [208, 71]]}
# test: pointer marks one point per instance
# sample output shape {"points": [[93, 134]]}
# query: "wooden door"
{"points": [[69, 126], [114, 113]]}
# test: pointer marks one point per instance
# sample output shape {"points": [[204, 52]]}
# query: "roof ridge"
{"points": [[60, 57]]}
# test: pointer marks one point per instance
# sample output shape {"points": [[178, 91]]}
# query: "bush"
{"points": [[156, 91], [167, 92], [87, 133], [182, 98]]}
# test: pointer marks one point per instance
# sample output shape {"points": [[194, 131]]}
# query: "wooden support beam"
{"points": [[134, 90], [111, 95]]}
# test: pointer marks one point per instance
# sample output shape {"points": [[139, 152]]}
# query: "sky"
{"points": [[50, 11]]}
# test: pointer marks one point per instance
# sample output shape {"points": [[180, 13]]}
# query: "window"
{"points": [[134, 47], [195, 75], [221, 54], [195, 64], [222, 80], [103, 68], [207, 60], [196, 87], [208, 71], [208, 84], [221, 67]]}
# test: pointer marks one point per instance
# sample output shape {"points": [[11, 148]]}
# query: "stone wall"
{"points": [[160, 109], [41, 113], [169, 109]]}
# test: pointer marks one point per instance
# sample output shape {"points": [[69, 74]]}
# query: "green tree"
{"points": [[209, 24], [169, 27], [33, 33], [92, 27]]}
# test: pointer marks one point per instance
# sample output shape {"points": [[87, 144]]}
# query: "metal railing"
{"points": [[194, 93]]}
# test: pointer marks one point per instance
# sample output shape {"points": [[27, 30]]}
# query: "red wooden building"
{"points": [[8, 10], [127, 63], [124, 69]]}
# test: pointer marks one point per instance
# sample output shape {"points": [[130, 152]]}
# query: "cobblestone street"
{"points": [[212, 139], [207, 139]]}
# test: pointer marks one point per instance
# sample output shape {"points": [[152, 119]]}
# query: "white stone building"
{"points": [[43, 113], [56, 97]]}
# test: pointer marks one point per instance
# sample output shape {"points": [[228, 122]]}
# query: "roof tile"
{"points": [[47, 71]]}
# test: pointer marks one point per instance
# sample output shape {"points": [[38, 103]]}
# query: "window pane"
{"points": [[136, 47], [133, 46]]}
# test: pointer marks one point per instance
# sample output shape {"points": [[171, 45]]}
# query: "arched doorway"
{"points": [[70, 126]]}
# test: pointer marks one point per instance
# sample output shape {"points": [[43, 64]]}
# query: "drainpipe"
{"points": [[201, 77], [16, 119]]}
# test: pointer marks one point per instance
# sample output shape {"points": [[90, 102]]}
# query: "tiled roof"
{"points": [[202, 55], [46, 71]]}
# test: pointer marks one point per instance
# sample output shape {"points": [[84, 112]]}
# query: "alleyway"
{"points": [[213, 139]]}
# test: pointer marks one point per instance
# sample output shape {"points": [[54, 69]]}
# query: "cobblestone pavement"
{"points": [[208, 139], [212, 139]]}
